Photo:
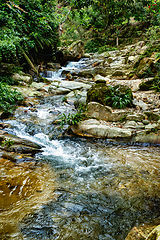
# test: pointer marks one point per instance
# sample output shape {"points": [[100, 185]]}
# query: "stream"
{"points": [[77, 188]]}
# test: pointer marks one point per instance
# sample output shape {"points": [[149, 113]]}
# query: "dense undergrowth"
{"points": [[9, 98]]}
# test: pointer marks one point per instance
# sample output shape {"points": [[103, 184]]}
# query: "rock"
{"points": [[147, 137], [37, 86], [93, 128], [13, 143], [73, 52], [151, 127], [151, 116], [22, 78], [145, 231], [118, 73], [135, 116], [53, 65], [158, 125], [71, 85], [146, 85], [76, 97], [7, 68], [155, 234], [134, 125], [145, 122], [140, 104], [132, 60], [100, 79], [144, 65], [92, 72]]}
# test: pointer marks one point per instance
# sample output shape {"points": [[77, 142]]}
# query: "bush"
{"points": [[9, 99]]}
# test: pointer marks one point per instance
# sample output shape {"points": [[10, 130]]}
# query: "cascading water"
{"points": [[101, 190]]}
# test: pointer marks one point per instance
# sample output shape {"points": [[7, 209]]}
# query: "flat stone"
{"points": [[136, 116], [95, 129], [134, 125]]}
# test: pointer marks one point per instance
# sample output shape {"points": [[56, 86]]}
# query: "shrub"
{"points": [[9, 99]]}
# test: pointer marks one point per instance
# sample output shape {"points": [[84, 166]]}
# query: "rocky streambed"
{"points": [[60, 186]]}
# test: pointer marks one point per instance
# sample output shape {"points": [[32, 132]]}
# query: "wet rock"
{"points": [[13, 143], [146, 136], [53, 65], [93, 128]]}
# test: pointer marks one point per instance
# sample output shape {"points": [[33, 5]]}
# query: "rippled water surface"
{"points": [[77, 188]]}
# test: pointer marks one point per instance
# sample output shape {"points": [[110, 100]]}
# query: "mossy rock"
{"points": [[98, 93], [119, 96], [145, 86]]}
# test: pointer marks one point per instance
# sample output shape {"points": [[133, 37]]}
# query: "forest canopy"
{"points": [[26, 25]]}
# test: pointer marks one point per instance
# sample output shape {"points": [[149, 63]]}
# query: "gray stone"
{"points": [[77, 97], [93, 128], [145, 137], [99, 111], [136, 116], [140, 104], [150, 127], [145, 122], [134, 125], [22, 78], [71, 85]]}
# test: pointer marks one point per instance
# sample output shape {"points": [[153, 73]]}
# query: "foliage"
{"points": [[120, 97], [9, 99], [9, 142], [28, 25], [8, 80], [73, 118]]}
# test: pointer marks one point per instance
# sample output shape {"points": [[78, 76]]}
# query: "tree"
{"points": [[28, 25]]}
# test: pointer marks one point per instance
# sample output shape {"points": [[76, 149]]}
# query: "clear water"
{"points": [[90, 189]]}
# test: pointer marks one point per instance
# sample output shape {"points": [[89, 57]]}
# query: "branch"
{"points": [[14, 5]]}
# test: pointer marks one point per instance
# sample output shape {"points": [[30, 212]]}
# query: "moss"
{"points": [[117, 97], [145, 86], [98, 93]]}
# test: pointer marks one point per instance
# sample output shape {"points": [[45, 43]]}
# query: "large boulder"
{"points": [[73, 52], [119, 96], [96, 129], [144, 67], [99, 111], [22, 78]]}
